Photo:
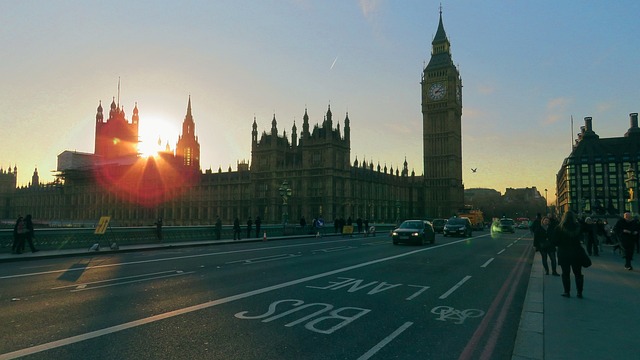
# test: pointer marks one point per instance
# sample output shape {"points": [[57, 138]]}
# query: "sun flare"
{"points": [[154, 134]]}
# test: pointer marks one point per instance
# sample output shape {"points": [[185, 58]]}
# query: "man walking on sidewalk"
{"points": [[627, 230]]}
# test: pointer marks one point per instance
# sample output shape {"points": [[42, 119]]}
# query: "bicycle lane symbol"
{"points": [[447, 313]]}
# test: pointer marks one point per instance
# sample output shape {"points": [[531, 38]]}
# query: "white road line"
{"points": [[114, 279], [501, 251], [328, 250], [169, 259], [487, 263], [455, 287], [385, 341], [84, 288], [170, 314], [263, 259]]}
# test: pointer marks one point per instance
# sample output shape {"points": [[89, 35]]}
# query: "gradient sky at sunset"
{"points": [[527, 68]]}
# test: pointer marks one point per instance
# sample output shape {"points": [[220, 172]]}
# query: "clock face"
{"points": [[437, 91]]}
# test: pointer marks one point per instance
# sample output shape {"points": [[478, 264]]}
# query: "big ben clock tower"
{"points": [[442, 130]]}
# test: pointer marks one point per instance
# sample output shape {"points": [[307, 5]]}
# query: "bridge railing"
{"points": [[78, 238]]}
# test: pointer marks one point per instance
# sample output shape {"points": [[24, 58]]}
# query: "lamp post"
{"points": [[285, 193], [546, 202], [631, 181]]}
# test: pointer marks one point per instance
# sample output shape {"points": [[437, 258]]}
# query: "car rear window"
{"points": [[506, 222], [412, 225], [457, 221]]}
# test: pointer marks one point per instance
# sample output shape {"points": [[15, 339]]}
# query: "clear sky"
{"points": [[527, 68]]}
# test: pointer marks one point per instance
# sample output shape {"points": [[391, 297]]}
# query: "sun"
{"points": [[148, 148], [154, 133]]}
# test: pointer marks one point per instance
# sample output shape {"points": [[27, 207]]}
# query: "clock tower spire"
{"points": [[442, 129]]}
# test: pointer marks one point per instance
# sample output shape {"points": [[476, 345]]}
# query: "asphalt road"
{"points": [[326, 298]]}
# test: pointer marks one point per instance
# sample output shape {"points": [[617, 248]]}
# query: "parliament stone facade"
{"points": [[311, 167]]}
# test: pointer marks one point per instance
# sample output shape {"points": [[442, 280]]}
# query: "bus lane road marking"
{"points": [[455, 287], [151, 319]]}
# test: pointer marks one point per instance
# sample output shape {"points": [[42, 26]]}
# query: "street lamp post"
{"points": [[546, 202], [631, 182], [285, 193]]}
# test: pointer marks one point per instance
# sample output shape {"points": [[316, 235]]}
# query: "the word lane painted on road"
{"points": [[372, 287]]}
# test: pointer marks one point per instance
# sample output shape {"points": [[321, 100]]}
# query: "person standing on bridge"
{"points": [[218, 228], [258, 223], [543, 242], [627, 230], [249, 225], [236, 229], [567, 237]]}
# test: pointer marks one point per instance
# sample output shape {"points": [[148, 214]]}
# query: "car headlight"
{"points": [[395, 233], [415, 234]]}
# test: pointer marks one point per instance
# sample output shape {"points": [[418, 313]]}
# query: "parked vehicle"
{"points": [[414, 231], [458, 226]]}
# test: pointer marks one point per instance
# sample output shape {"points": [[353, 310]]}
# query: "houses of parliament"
{"points": [[312, 168]]}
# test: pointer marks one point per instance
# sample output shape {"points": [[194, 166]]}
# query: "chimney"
{"points": [[633, 126], [588, 124], [588, 129]]}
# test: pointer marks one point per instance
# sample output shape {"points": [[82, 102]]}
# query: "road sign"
{"points": [[102, 225]]}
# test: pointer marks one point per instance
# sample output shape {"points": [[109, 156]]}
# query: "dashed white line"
{"points": [[487, 263], [385, 341], [455, 287]]}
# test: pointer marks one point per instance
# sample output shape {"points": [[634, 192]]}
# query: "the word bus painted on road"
{"points": [[330, 321], [372, 287]]}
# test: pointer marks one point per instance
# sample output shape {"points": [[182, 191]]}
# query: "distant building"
{"points": [[592, 178]]}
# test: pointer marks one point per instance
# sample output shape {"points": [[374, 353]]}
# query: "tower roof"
{"points": [[441, 35]]}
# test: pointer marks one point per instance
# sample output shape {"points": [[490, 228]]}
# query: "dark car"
{"points": [[414, 231], [504, 225], [458, 226], [438, 225]]}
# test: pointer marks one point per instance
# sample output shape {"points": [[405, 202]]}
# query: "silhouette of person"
{"points": [[627, 230], [159, 229], [18, 235], [567, 237], [28, 234], [236, 229], [218, 228], [258, 222], [249, 225], [543, 242]]}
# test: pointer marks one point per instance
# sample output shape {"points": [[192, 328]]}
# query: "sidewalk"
{"points": [[602, 325]]}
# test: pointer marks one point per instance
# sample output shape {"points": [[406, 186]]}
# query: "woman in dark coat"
{"points": [[28, 235], [543, 242], [567, 237]]}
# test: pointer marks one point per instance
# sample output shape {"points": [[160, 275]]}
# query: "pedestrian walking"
{"points": [[567, 236], [249, 225], [627, 230], [218, 227], [544, 243], [18, 235], [591, 236], [236, 229], [159, 229], [303, 224], [258, 223], [28, 234]]}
